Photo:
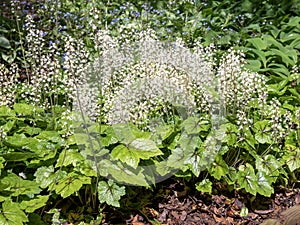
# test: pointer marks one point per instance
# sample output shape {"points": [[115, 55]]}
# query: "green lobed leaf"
{"points": [[292, 157], [123, 133], [68, 157], [25, 109], [33, 204], [263, 132], [204, 186], [219, 168], [52, 136], [247, 179], [85, 139], [269, 165], [177, 158], [164, 131], [12, 214], [193, 125], [189, 143], [194, 162], [6, 112], [70, 184], [138, 149], [264, 184], [45, 176], [17, 186], [110, 193], [122, 173]]}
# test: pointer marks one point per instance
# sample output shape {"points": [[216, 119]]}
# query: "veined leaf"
{"points": [[219, 168], [194, 162], [110, 193], [204, 186], [52, 136], [269, 165], [177, 158], [122, 173], [68, 157], [6, 112], [292, 157], [247, 179], [34, 204], [86, 140], [189, 143], [193, 125], [138, 149], [12, 214], [45, 176], [264, 184], [263, 132], [123, 133], [18, 186], [70, 184]]}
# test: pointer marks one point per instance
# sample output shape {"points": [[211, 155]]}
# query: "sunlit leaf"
{"points": [[122, 173], [264, 184], [110, 193], [263, 132], [292, 157], [204, 186], [219, 168], [138, 149], [45, 176], [258, 43], [19, 186], [34, 204], [193, 125], [269, 165], [70, 184], [11, 214], [6, 112], [247, 178]]}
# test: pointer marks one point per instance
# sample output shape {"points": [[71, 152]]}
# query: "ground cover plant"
{"points": [[102, 102]]}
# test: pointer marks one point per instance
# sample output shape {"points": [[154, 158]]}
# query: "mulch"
{"points": [[179, 207]]}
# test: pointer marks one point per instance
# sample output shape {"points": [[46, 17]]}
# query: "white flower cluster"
{"points": [[148, 91], [239, 88], [145, 79], [53, 69], [7, 81], [280, 122]]}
